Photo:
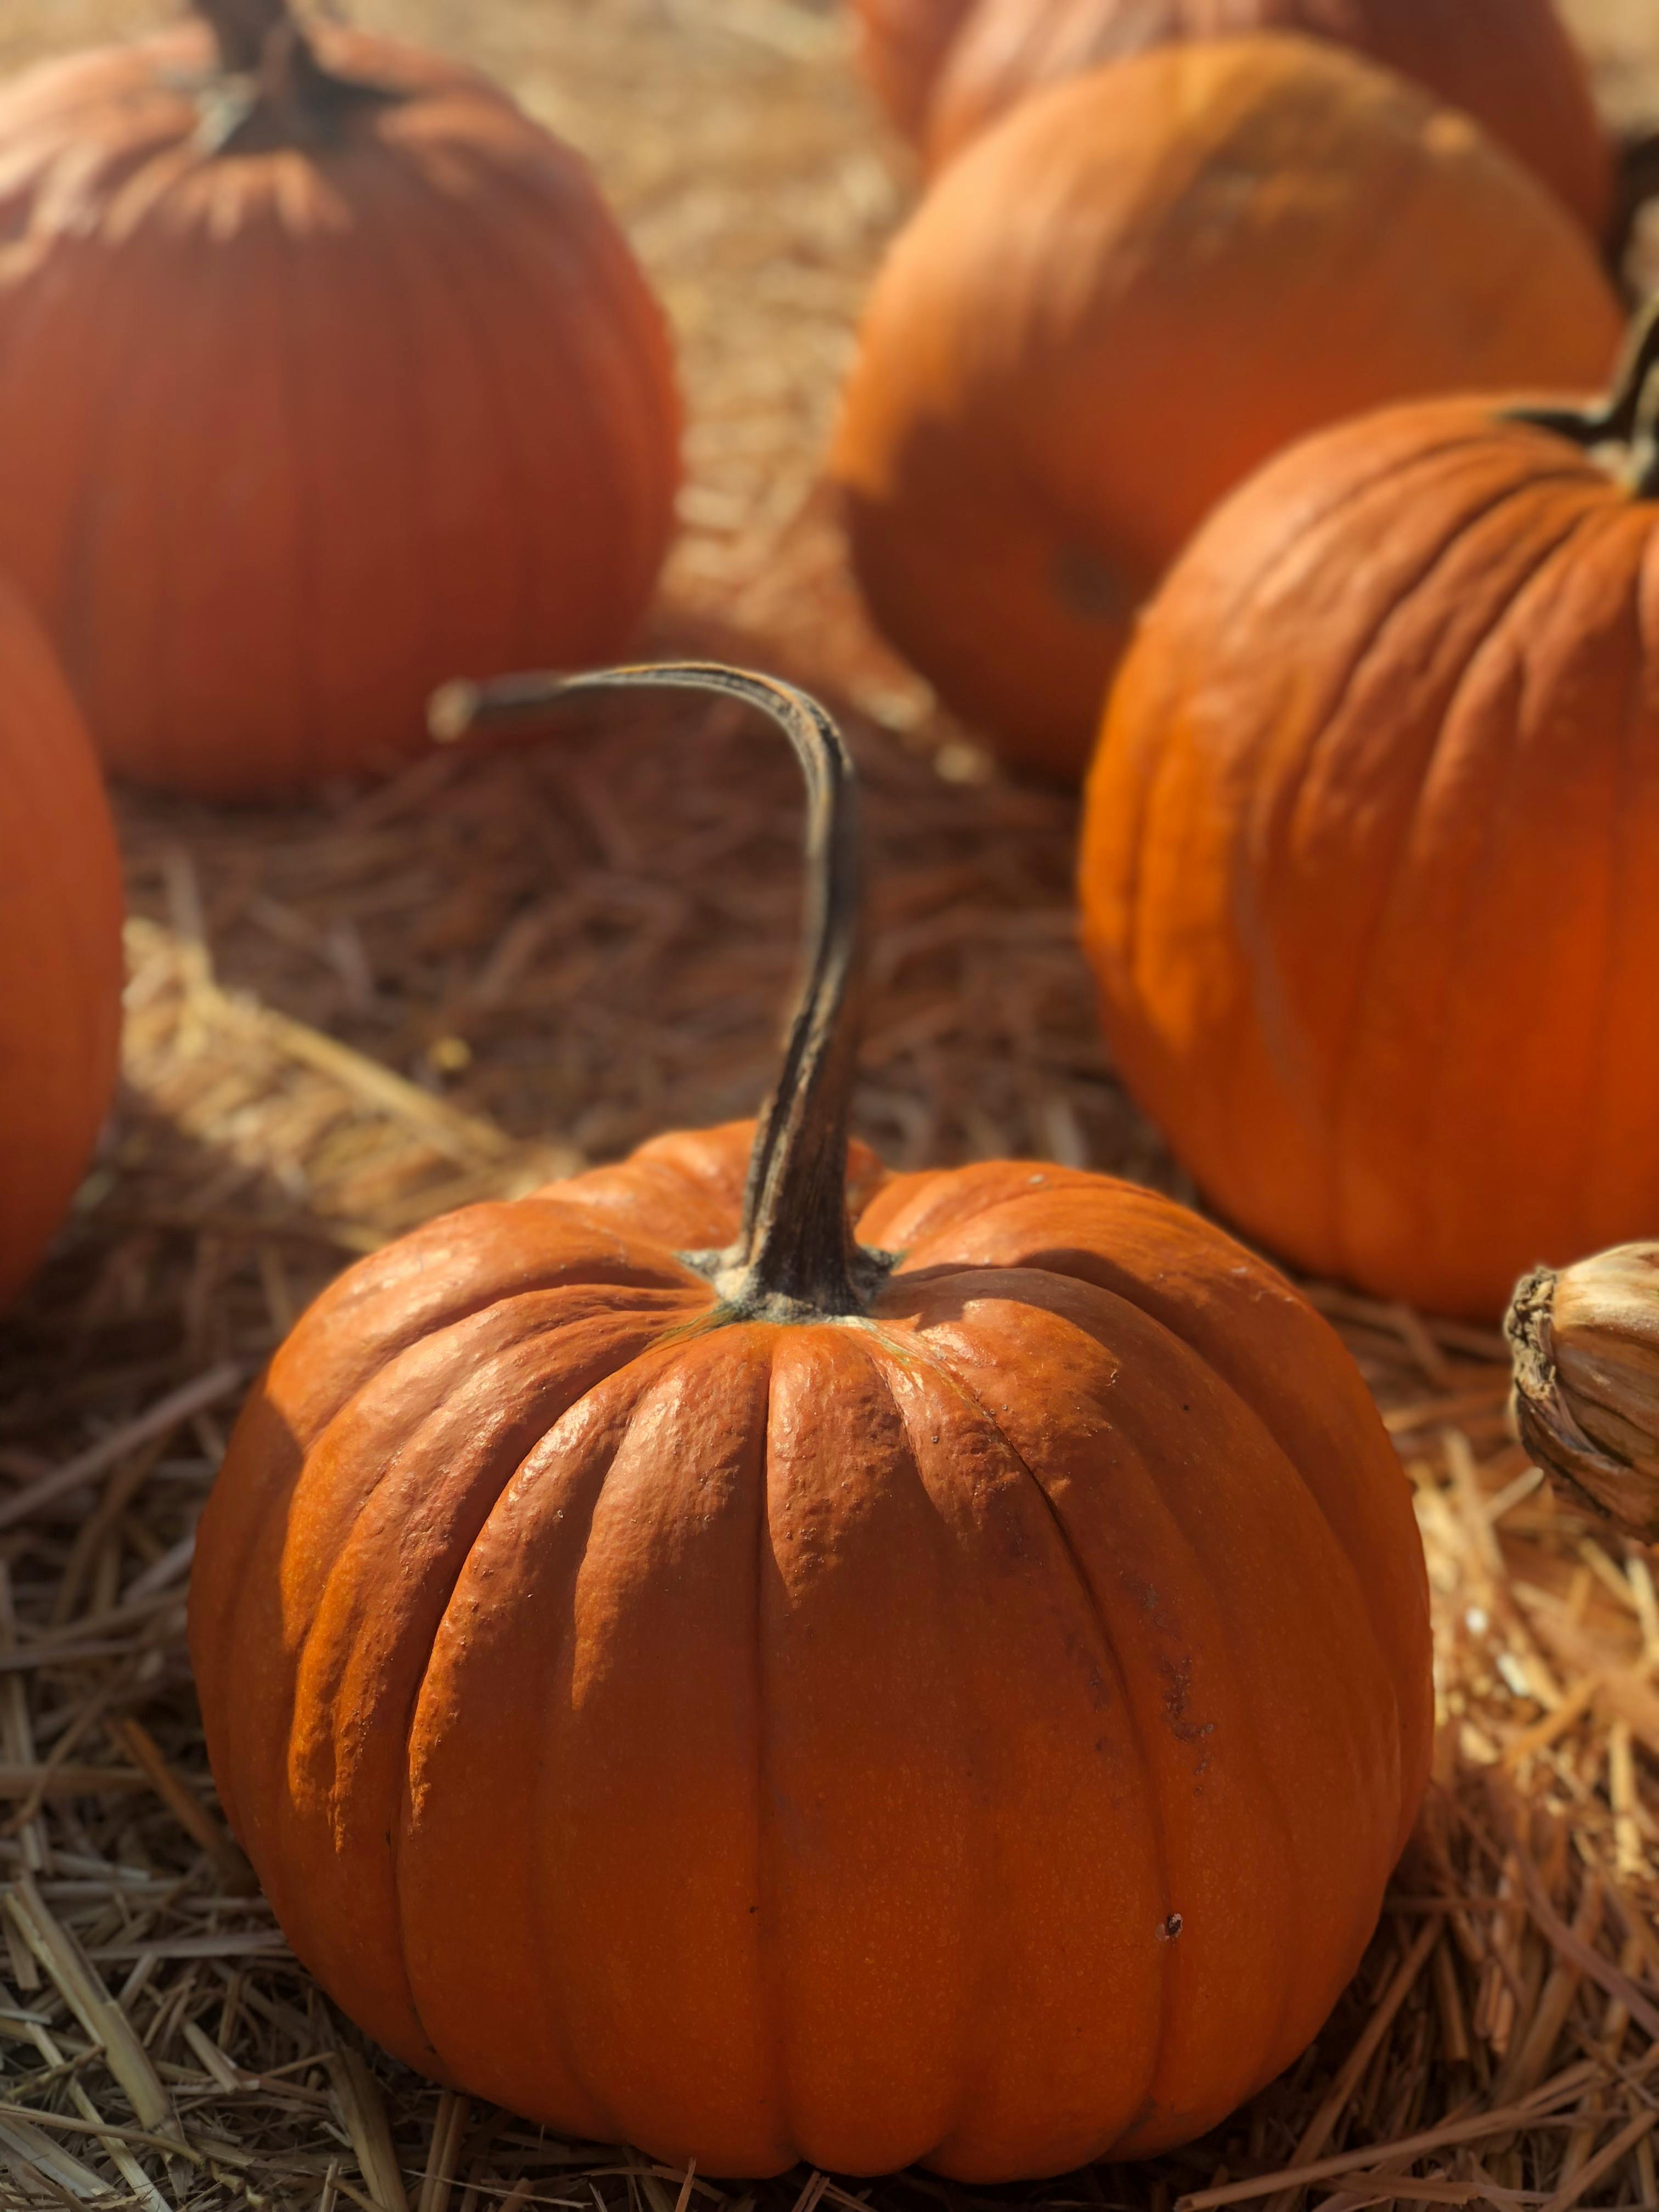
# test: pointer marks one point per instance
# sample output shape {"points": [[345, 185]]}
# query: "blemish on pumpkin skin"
{"points": [[1088, 589], [1177, 1687]]}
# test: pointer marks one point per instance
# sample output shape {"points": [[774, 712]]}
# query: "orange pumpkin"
{"points": [[1371, 868], [902, 46], [702, 1672], [60, 921], [324, 371], [1508, 63], [1126, 296]]}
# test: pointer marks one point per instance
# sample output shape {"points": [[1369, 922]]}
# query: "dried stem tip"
{"points": [[1586, 1349]]}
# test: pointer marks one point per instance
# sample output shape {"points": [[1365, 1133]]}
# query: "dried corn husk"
{"points": [[1586, 1349]]}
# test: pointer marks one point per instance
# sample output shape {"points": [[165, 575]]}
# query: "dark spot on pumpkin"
{"points": [[1177, 1687], [1169, 1929], [1088, 589]]}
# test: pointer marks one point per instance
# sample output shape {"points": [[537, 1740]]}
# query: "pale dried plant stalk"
{"points": [[1586, 1349]]}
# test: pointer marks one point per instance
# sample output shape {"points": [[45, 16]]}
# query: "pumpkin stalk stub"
{"points": [[242, 30], [282, 94], [795, 1258], [1623, 428]]}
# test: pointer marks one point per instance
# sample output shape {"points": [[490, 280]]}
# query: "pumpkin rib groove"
{"points": [[877, 1347], [1343, 1055], [372, 249], [100, 473], [1252, 591], [305, 593], [279, 1501], [461, 241], [197, 332], [1337, 1560], [1342, 1558], [227, 321], [491, 1482], [553, 2015], [630, 425], [1171, 1524], [521, 242], [1277, 805], [939, 1359], [1263, 1416], [420, 281], [1508, 636], [566, 391], [604, 427], [773, 1994]]}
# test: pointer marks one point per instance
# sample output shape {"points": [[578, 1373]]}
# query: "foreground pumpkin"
{"points": [[60, 923], [324, 371], [1128, 294], [1376, 815], [701, 1672], [1508, 63]]}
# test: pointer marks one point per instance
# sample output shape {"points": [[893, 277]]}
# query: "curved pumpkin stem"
{"points": [[1625, 414], [796, 1256]]}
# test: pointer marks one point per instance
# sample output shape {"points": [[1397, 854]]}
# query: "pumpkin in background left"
{"points": [[309, 400], [60, 922]]}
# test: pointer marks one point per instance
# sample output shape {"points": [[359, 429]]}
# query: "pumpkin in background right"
{"points": [[1370, 861], [1125, 297], [1508, 63]]}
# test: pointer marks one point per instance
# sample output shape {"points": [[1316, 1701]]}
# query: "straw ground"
{"points": [[345, 1017]]}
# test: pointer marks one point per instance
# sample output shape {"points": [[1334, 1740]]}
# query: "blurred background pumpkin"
{"points": [[324, 372], [1129, 294], [60, 926], [1508, 63]]}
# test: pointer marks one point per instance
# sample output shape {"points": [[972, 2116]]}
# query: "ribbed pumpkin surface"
{"points": [[1371, 874], [290, 434], [1124, 298], [978, 1730], [60, 924]]}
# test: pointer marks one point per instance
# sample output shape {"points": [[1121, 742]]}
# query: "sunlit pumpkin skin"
{"points": [[902, 46], [60, 922], [1126, 296], [1370, 868], [970, 1719], [803, 1735], [1508, 63], [292, 430]]}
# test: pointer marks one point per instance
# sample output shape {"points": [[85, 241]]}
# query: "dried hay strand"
{"points": [[347, 1016]]}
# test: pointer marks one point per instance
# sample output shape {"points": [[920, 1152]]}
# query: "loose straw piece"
{"points": [[78, 1983], [167, 1413], [363, 2110]]}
